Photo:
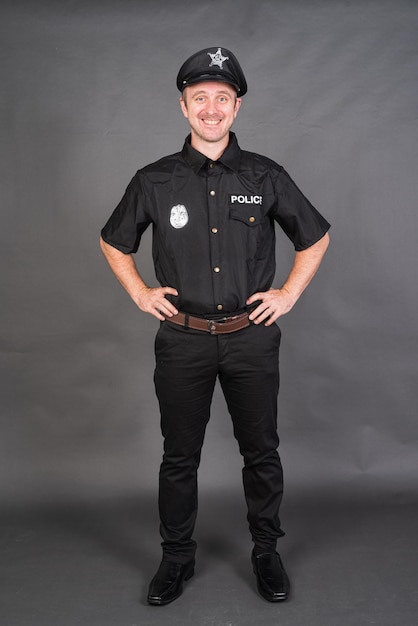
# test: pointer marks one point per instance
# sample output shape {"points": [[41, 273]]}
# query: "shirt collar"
{"points": [[230, 158]]}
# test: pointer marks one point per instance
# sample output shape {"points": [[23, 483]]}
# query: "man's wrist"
{"points": [[293, 296]]}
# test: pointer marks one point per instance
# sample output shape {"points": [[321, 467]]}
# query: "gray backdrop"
{"points": [[87, 97]]}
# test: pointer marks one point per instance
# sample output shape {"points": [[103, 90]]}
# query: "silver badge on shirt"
{"points": [[179, 216]]}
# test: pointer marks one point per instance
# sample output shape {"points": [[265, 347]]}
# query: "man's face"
{"points": [[210, 108]]}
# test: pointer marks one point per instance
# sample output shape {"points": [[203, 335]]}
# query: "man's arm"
{"points": [[149, 299], [277, 302]]}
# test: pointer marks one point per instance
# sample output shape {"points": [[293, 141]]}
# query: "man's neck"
{"points": [[212, 151]]}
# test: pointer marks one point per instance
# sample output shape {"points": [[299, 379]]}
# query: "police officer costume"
{"points": [[214, 241]]}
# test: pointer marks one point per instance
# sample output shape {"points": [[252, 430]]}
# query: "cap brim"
{"points": [[209, 77]]}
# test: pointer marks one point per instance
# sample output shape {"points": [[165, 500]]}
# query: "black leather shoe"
{"points": [[167, 584], [272, 581]]}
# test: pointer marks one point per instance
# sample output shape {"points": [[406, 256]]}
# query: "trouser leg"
{"points": [[249, 376], [185, 376]]}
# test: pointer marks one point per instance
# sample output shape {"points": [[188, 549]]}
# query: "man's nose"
{"points": [[211, 106]]}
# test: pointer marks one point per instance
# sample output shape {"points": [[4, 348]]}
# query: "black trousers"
{"points": [[188, 363]]}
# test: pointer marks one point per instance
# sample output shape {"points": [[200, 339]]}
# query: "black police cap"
{"points": [[217, 64]]}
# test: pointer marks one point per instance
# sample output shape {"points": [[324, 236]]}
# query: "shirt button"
{"points": [[211, 165], [212, 193], [251, 219], [217, 269], [219, 307], [214, 230]]}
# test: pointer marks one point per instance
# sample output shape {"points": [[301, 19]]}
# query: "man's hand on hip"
{"points": [[274, 303], [153, 300]]}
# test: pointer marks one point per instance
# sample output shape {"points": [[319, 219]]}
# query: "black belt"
{"points": [[214, 327]]}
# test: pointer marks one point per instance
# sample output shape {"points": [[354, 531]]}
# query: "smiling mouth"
{"points": [[211, 122]]}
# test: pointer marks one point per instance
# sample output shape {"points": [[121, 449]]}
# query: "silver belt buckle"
{"points": [[212, 327]]}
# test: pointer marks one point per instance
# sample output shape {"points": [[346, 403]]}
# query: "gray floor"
{"points": [[352, 563]]}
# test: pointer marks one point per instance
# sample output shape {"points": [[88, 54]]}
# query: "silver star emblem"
{"points": [[217, 58]]}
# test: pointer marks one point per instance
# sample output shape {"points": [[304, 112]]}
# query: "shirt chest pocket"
{"points": [[251, 215], [247, 227]]}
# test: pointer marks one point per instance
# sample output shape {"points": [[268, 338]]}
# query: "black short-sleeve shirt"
{"points": [[213, 224]]}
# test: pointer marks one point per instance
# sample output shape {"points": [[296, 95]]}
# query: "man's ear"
{"points": [[238, 103], [183, 105]]}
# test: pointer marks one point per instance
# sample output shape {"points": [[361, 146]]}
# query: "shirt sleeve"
{"points": [[299, 219], [129, 220]]}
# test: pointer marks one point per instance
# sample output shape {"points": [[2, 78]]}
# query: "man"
{"points": [[213, 208]]}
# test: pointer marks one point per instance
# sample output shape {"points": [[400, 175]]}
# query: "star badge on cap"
{"points": [[217, 58]]}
